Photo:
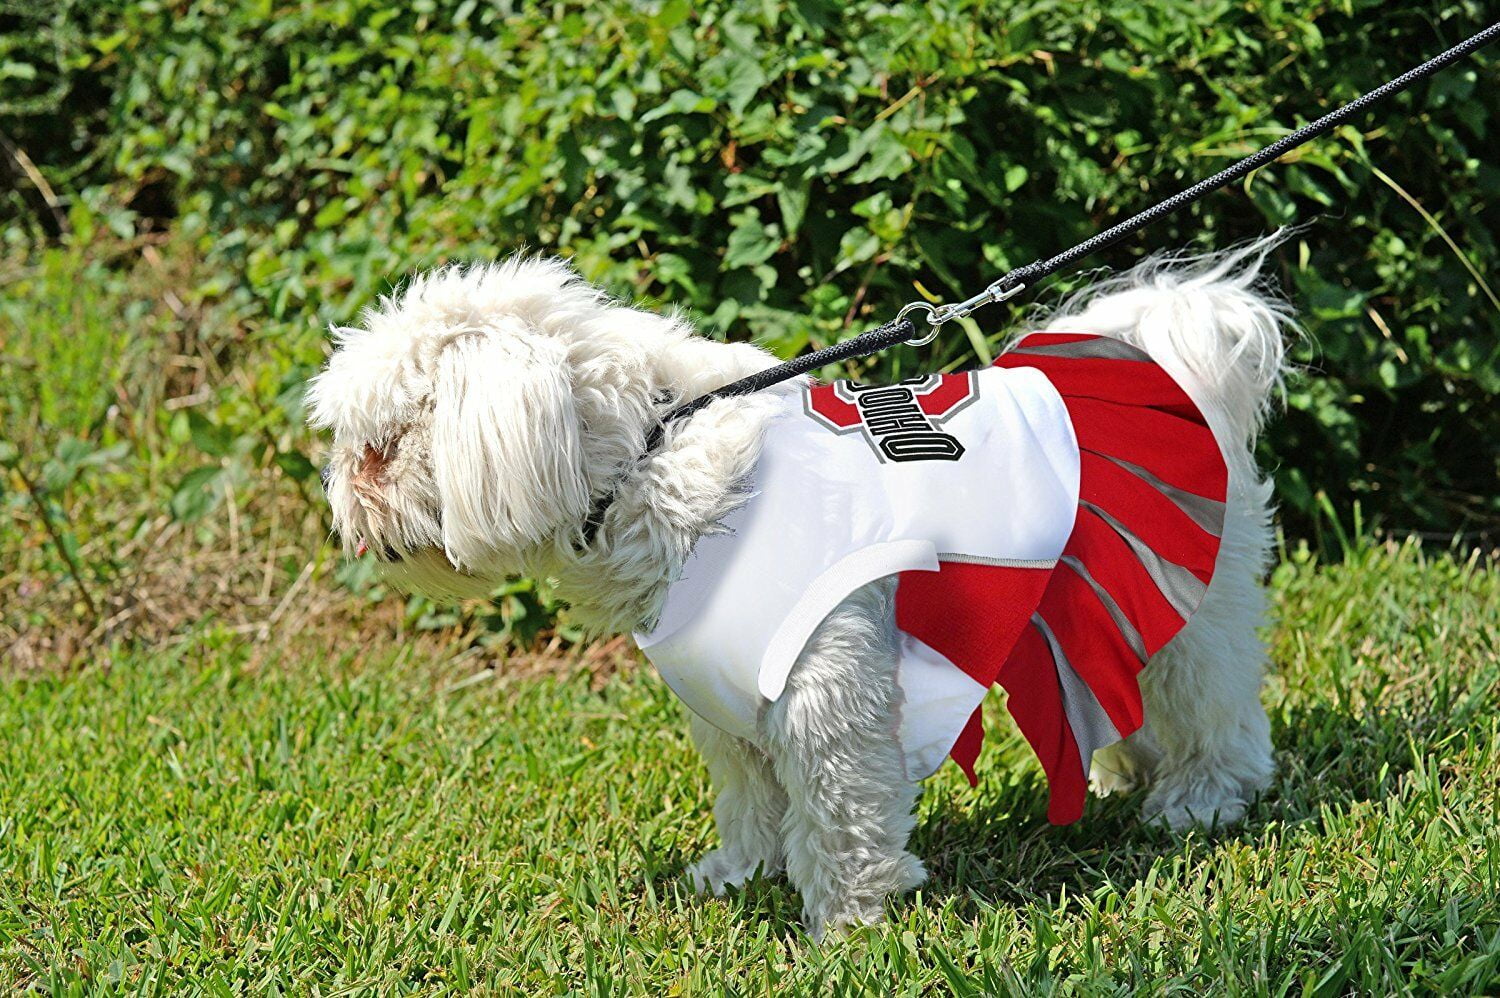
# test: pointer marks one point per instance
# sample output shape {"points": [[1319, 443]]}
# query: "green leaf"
{"points": [[886, 160], [751, 241], [681, 102], [744, 83], [199, 491], [857, 246], [672, 13], [109, 43], [295, 465], [792, 202], [209, 438]]}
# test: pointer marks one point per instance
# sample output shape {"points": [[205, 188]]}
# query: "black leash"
{"points": [[901, 329]]}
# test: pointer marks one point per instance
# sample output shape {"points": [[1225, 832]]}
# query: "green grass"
{"points": [[243, 773], [288, 816]]}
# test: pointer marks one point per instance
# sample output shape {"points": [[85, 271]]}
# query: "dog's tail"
{"points": [[1209, 320]]}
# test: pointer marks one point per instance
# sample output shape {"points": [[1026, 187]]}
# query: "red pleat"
{"points": [[966, 750], [1149, 515], [969, 613], [1124, 382], [1094, 647], [1181, 452], [1035, 701], [1117, 569]]}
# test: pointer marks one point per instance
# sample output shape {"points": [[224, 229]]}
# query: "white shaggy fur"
{"points": [[478, 413]]}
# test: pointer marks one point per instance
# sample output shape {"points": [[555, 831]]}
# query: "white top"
{"points": [[855, 483]]}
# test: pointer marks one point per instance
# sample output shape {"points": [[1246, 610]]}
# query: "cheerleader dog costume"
{"points": [[1053, 521]]}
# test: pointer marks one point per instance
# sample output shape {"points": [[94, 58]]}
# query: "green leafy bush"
{"points": [[795, 171]]}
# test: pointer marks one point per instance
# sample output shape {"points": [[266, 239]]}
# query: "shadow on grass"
{"points": [[994, 843], [763, 899]]}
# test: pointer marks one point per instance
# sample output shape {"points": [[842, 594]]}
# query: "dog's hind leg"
{"points": [[1206, 745], [834, 738], [748, 812]]}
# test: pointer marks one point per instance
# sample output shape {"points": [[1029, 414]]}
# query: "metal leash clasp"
{"points": [[939, 314]]}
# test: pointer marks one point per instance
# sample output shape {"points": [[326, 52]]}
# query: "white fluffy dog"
{"points": [[480, 412]]}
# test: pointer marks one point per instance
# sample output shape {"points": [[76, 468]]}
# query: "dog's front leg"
{"points": [[747, 812], [834, 740]]}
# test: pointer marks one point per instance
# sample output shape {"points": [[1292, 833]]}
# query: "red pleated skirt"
{"points": [[1135, 568]]}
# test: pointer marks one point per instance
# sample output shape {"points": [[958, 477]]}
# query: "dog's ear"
{"points": [[505, 443]]}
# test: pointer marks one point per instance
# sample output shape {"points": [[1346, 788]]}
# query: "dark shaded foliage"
{"points": [[793, 171]]}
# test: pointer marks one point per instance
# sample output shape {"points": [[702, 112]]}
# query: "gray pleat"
{"points": [[1206, 513], [1181, 588], [1127, 629], [1092, 728], [1100, 348]]}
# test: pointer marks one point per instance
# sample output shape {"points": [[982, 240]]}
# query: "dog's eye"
{"points": [[324, 474]]}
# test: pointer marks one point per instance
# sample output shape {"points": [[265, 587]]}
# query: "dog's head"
{"points": [[474, 415]]}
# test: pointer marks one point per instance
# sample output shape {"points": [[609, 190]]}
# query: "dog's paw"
{"points": [[1116, 769], [721, 869], [845, 924], [1180, 813], [1104, 782], [835, 909]]}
